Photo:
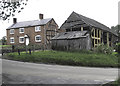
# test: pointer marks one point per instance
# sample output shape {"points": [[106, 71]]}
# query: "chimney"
{"points": [[40, 16], [14, 20]]}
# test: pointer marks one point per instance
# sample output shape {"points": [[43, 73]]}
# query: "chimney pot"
{"points": [[14, 20], [40, 16]]}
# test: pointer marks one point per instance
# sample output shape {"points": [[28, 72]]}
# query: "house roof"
{"points": [[30, 23], [70, 35], [76, 20]]}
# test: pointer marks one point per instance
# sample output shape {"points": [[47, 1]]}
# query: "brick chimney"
{"points": [[14, 20], [41, 16]]}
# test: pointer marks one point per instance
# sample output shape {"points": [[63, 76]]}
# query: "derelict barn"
{"points": [[79, 32]]}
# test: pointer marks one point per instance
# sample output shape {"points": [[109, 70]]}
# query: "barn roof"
{"points": [[76, 20], [70, 35], [30, 23]]}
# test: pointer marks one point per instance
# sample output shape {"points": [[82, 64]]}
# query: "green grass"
{"points": [[5, 46], [68, 58]]}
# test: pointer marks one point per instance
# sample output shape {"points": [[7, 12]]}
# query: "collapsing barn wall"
{"points": [[82, 43]]}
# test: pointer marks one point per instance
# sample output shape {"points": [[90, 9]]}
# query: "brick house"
{"points": [[32, 32]]}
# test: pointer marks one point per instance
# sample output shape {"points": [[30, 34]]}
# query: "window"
{"points": [[21, 30], [11, 31], [37, 28], [38, 38], [12, 40], [21, 39]]}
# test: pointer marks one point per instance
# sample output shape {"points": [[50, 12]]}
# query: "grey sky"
{"points": [[104, 11]]}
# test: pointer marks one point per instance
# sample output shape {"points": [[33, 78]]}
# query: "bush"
{"points": [[32, 47], [103, 49], [118, 47]]}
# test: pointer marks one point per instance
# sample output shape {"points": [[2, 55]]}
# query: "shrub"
{"points": [[103, 49], [118, 47]]}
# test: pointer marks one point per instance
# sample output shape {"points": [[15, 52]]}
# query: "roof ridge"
{"points": [[33, 20], [30, 23], [81, 18]]}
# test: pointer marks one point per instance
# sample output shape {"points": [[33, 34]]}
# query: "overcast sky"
{"points": [[104, 11]]}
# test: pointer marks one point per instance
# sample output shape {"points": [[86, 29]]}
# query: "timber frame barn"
{"points": [[91, 34]]}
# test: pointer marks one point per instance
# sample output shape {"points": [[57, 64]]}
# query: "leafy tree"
{"points": [[117, 30], [3, 40], [10, 7]]}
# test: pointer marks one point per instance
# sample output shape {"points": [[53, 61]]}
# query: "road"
{"points": [[15, 72], [0, 70]]}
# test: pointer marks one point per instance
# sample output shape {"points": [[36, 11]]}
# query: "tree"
{"points": [[4, 40], [10, 7], [117, 30]]}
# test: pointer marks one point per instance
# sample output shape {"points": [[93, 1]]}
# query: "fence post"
{"points": [[13, 47], [29, 51]]}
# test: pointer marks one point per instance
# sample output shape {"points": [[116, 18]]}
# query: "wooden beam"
{"points": [[81, 28], [94, 37], [112, 40], [97, 36], [100, 36], [108, 38]]}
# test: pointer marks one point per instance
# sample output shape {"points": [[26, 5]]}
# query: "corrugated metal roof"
{"points": [[70, 35], [29, 23], [76, 19]]}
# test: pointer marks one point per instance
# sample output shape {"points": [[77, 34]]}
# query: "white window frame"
{"points": [[20, 30], [20, 40], [37, 40], [12, 31], [12, 38], [37, 28]]}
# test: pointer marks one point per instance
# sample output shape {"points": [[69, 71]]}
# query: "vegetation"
{"points": [[104, 49], [116, 29], [118, 47], [5, 46], [3, 40], [10, 7], [80, 58]]}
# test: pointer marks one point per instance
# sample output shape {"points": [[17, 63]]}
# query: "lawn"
{"points": [[80, 58], [5, 46]]}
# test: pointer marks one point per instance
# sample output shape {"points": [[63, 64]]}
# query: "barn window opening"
{"points": [[67, 30], [85, 28], [95, 32], [105, 37]]}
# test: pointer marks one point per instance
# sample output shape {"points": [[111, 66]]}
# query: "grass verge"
{"points": [[68, 58]]}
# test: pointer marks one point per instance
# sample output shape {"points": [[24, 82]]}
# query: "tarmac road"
{"points": [[0, 70], [15, 72]]}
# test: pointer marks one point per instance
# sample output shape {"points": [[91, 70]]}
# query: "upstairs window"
{"points": [[21, 30], [11, 31], [37, 28], [38, 38], [12, 40], [21, 39]]}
